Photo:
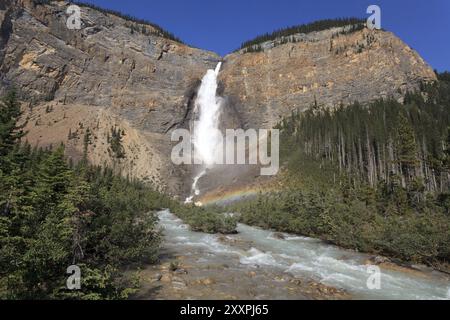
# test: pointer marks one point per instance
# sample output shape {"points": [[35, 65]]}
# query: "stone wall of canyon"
{"points": [[139, 81], [326, 67]]}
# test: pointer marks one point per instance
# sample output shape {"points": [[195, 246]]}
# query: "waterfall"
{"points": [[207, 105], [206, 138]]}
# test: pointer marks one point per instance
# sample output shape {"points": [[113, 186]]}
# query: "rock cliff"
{"points": [[329, 68], [111, 70]]}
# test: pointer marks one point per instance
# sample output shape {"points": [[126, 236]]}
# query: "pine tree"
{"points": [[52, 182], [447, 152], [10, 133], [406, 147]]}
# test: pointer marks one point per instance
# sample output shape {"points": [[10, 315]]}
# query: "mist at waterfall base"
{"points": [[206, 138]]}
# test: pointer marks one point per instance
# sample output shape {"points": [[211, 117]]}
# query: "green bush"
{"points": [[204, 219]]}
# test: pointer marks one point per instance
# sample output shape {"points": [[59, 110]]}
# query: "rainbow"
{"points": [[233, 194]]}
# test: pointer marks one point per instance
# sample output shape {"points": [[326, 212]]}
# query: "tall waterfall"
{"points": [[206, 138]]}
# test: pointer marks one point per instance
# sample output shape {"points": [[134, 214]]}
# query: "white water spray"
{"points": [[206, 137], [207, 105]]}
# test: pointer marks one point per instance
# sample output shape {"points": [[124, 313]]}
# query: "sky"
{"points": [[222, 25]]}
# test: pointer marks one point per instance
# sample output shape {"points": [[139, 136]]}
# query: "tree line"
{"points": [[138, 24], [383, 141], [284, 35]]}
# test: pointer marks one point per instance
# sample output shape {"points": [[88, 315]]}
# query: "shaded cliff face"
{"points": [[144, 78], [116, 73], [140, 82]]}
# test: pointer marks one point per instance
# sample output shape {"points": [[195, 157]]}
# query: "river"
{"points": [[261, 264]]}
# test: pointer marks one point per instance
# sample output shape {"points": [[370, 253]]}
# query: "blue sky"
{"points": [[222, 25]]}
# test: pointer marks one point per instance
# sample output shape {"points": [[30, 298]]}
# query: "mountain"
{"points": [[330, 67], [118, 87]]}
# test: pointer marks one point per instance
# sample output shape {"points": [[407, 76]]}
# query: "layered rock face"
{"points": [[327, 67], [111, 68], [118, 73]]}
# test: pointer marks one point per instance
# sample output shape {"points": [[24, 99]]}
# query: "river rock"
{"points": [[178, 283], [206, 281], [157, 277], [251, 274], [167, 278], [278, 235], [379, 260], [180, 271], [296, 281], [323, 291]]}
